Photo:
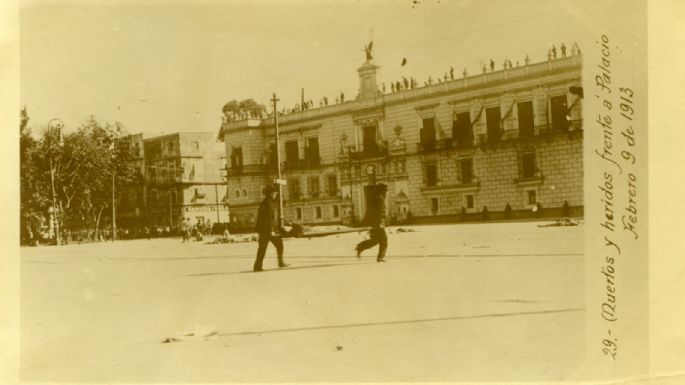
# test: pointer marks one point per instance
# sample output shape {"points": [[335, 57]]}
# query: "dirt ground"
{"points": [[454, 302]]}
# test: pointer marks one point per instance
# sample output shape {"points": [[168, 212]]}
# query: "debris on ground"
{"points": [[339, 347], [562, 222], [221, 240], [232, 239], [403, 230], [207, 334]]}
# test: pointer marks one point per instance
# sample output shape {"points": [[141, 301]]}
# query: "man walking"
{"points": [[375, 217], [185, 230], [264, 228]]}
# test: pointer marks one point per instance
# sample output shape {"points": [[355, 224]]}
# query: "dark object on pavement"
{"points": [[561, 222]]}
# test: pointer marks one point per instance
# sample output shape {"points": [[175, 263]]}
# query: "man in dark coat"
{"points": [[375, 217], [264, 228]]}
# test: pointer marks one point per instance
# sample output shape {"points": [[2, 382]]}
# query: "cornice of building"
{"points": [[468, 87]]}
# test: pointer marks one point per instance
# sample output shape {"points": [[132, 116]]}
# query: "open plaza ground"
{"points": [[495, 301]]}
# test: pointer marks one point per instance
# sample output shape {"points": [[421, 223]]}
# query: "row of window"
{"points": [[335, 212], [465, 175], [237, 193], [292, 153], [468, 201], [134, 198], [395, 166], [462, 133], [165, 148], [313, 187], [462, 126], [156, 198], [295, 191], [167, 172]]}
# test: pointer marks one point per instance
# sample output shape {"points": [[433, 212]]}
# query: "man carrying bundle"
{"points": [[375, 217], [264, 228]]}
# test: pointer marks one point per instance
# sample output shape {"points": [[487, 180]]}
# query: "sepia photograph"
{"points": [[317, 192]]}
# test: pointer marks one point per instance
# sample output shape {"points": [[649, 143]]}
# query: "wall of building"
{"points": [[399, 117], [558, 158], [175, 166]]}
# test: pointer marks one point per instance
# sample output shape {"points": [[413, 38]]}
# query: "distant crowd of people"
{"points": [[185, 230], [411, 83], [309, 104], [552, 52], [408, 83], [235, 116]]}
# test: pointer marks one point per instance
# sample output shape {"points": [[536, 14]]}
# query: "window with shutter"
{"points": [[528, 165], [431, 174]]}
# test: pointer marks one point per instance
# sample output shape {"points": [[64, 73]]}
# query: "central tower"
{"points": [[368, 88]]}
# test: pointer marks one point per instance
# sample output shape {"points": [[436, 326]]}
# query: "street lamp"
{"points": [[280, 180], [349, 170], [58, 125], [114, 212]]}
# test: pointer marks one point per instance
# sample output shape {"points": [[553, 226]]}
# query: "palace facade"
{"points": [[500, 144]]}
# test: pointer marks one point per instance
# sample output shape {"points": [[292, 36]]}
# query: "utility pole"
{"points": [[227, 196], [301, 99], [278, 161], [349, 169], [55, 220], [216, 196]]}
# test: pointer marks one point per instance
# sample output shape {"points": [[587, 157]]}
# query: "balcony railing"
{"points": [[162, 179], [380, 151], [492, 136], [465, 142], [442, 144], [247, 170], [295, 195], [529, 179], [571, 125], [311, 162], [234, 171]]}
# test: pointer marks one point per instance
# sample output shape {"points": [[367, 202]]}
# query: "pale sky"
{"points": [[162, 67]]}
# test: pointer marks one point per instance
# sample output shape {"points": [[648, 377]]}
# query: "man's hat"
{"points": [[268, 189]]}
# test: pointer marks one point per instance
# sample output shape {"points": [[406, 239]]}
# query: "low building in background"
{"points": [[498, 145], [175, 176]]}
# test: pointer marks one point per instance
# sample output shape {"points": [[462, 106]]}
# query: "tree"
{"points": [[34, 191], [244, 109], [88, 165], [252, 108], [231, 109], [103, 157]]}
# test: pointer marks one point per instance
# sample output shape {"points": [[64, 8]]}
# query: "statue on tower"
{"points": [[368, 50]]}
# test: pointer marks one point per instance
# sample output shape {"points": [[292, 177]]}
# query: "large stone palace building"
{"points": [[176, 176], [500, 144]]}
